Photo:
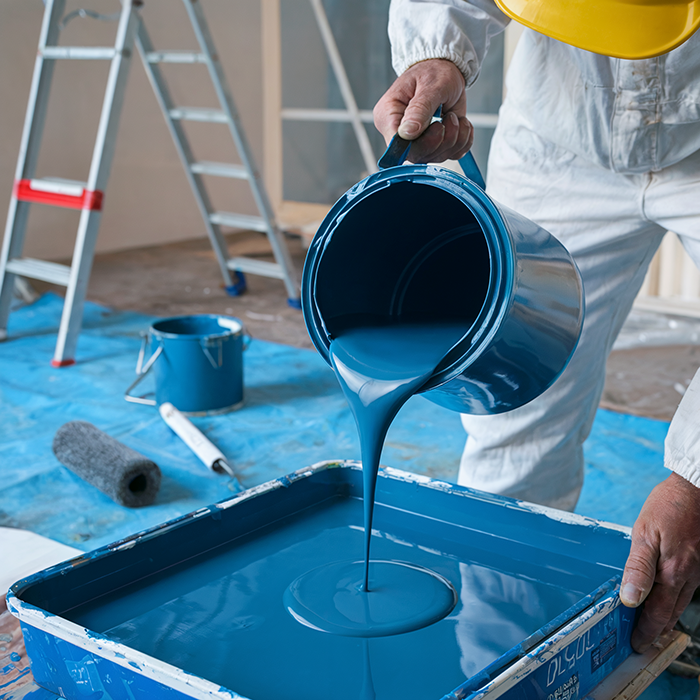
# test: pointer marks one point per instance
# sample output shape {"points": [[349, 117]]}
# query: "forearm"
{"points": [[456, 30]]}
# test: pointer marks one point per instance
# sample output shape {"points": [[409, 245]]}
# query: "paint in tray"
{"points": [[196, 607]]}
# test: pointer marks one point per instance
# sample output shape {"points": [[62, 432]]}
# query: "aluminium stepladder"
{"points": [[88, 196]]}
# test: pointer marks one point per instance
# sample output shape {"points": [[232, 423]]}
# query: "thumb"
{"points": [[417, 117], [639, 574]]}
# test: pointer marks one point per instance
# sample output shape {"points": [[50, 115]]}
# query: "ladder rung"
{"points": [[198, 114], [219, 169], [175, 57], [59, 192], [256, 267], [39, 270], [84, 53], [224, 218]]}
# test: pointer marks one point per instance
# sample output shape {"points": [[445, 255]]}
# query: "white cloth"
{"points": [[604, 154], [23, 553], [628, 116]]}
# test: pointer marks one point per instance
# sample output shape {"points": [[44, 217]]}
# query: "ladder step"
{"points": [[59, 192], [223, 218], [219, 169], [256, 267], [83, 53], [198, 114], [39, 270], [175, 57]]}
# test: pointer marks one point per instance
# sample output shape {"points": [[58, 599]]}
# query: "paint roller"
{"points": [[127, 477], [208, 453]]}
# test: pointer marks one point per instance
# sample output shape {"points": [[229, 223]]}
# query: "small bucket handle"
{"points": [[206, 343], [141, 371]]}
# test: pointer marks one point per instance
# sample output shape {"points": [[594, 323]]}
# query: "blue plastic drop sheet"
{"points": [[294, 415]]}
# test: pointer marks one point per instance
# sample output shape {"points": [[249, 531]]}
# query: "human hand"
{"points": [[663, 567], [409, 104]]}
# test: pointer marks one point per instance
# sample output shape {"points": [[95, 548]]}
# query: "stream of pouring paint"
{"points": [[379, 368]]}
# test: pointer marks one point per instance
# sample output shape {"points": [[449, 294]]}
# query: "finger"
{"points": [[447, 147], [423, 148], [462, 143], [466, 137], [684, 599], [452, 142], [640, 571], [387, 115], [658, 610], [419, 112]]}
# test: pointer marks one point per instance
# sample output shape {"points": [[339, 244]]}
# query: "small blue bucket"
{"points": [[423, 244], [197, 362]]}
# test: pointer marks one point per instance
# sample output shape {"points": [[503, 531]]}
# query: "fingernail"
{"points": [[409, 128], [630, 595], [454, 119]]}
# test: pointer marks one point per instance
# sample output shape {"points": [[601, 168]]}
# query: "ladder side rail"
{"points": [[35, 117], [225, 97], [103, 152], [100, 167], [341, 76], [184, 150]]}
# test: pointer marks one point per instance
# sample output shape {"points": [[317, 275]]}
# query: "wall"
{"points": [[148, 200]]}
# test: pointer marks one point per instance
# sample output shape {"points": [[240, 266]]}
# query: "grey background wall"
{"points": [[148, 200]]}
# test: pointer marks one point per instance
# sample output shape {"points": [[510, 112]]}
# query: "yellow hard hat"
{"points": [[632, 29]]}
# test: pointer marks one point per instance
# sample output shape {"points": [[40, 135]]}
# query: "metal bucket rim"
{"points": [[225, 331], [499, 294]]}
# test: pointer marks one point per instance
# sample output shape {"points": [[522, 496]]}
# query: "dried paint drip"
{"points": [[379, 367]]}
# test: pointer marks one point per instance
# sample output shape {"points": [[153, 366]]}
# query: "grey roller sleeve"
{"points": [[121, 473]]}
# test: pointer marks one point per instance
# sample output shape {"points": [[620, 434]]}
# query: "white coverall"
{"points": [[604, 153]]}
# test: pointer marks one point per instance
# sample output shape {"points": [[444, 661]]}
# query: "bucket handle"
{"points": [[141, 371], [398, 148], [206, 343]]}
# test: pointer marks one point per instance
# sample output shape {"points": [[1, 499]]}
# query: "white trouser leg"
{"points": [[673, 201], [535, 452]]}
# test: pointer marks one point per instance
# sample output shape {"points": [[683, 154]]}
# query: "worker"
{"points": [[598, 142]]}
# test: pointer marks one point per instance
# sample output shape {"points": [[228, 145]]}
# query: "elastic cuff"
{"points": [[401, 66], [684, 467]]}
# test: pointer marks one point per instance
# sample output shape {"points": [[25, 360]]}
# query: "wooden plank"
{"points": [[637, 672], [301, 218], [271, 41], [17, 680]]}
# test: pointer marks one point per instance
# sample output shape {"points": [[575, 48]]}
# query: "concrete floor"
{"points": [[655, 358], [184, 278]]}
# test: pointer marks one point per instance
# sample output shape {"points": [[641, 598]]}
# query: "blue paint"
{"points": [[223, 618], [421, 244], [218, 612], [400, 598], [198, 363]]}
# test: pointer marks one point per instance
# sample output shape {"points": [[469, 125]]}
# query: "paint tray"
{"points": [[194, 608]]}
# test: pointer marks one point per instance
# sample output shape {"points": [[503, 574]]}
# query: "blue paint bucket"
{"points": [[423, 244], [197, 362]]}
